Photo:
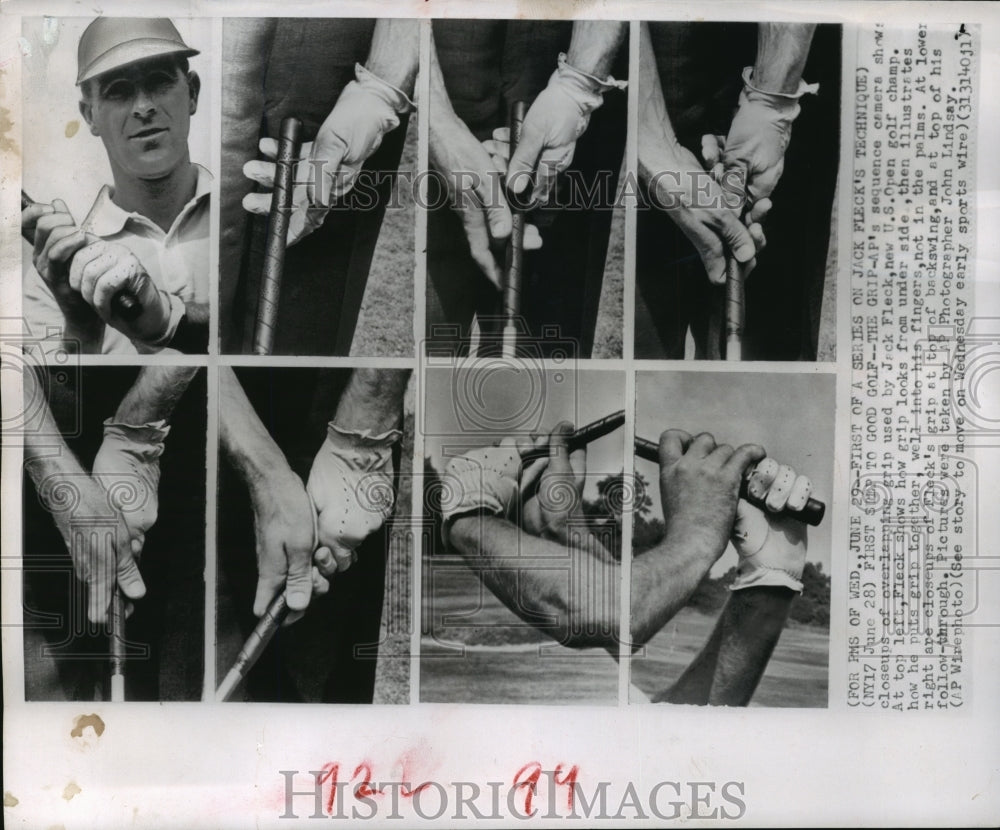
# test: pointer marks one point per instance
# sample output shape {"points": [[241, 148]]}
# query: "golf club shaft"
{"points": [[583, 436], [735, 309], [289, 141], [514, 264], [117, 646], [254, 646]]}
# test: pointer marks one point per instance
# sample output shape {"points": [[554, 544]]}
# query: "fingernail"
{"points": [[298, 599]]}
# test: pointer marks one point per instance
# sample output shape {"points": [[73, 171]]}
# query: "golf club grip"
{"points": [[514, 260], [289, 141], [125, 304], [735, 309], [515, 247], [582, 437], [812, 514], [254, 646]]}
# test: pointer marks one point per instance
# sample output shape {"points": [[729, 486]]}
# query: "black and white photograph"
{"points": [[731, 541], [526, 223], [115, 187], [738, 150], [114, 534], [523, 497], [479, 412], [313, 598], [318, 154]]}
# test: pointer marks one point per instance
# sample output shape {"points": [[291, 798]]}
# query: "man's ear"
{"points": [[194, 87], [87, 111]]}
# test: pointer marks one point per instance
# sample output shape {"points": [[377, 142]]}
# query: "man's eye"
{"points": [[118, 91], [160, 81]]}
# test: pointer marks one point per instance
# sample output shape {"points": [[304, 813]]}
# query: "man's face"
{"points": [[142, 112]]}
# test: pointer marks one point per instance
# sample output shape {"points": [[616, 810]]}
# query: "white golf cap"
{"points": [[110, 42]]}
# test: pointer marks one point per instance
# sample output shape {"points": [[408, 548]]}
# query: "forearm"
{"points": [[594, 45], [782, 51], [727, 670], [373, 400], [154, 394], [663, 580], [248, 445], [395, 52], [656, 133], [750, 626], [45, 451], [541, 582]]}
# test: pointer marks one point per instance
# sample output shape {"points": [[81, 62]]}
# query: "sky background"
{"points": [[61, 158]]}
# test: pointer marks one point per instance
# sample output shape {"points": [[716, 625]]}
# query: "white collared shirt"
{"points": [[177, 261]]}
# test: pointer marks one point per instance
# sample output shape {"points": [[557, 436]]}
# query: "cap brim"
{"points": [[132, 52]]}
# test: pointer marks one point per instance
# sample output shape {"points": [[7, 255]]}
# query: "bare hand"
{"points": [[699, 488]]}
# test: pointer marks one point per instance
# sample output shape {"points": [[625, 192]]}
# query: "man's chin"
{"points": [[153, 172]]}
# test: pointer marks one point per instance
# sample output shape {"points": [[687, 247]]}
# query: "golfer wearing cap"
{"points": [[147, 236]]}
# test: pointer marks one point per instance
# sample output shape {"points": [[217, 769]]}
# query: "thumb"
{"points": [[298, 584], [737, 237], [559, 447], [327, 154], [711, 150], [59, 206], [522, 163], [498, 216], [268, 587], [129, 577]]}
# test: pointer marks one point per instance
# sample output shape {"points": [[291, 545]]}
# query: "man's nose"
{"points": [[143, 105]]}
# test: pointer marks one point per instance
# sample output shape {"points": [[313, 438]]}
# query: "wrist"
{"points": [[766, 577], [581, 73], [161, 329], [694, 542], [393, 96], [265, 470], [778, 92], [83, 337]]}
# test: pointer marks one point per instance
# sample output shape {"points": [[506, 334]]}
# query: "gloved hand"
{"points": [[772, 549], [101, 269], [128, 467], [758, 137], [556, 119], [481, 480], [366, 110], [351, 485]]}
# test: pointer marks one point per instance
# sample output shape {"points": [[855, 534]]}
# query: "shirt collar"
{"points": [[106, 218]]}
